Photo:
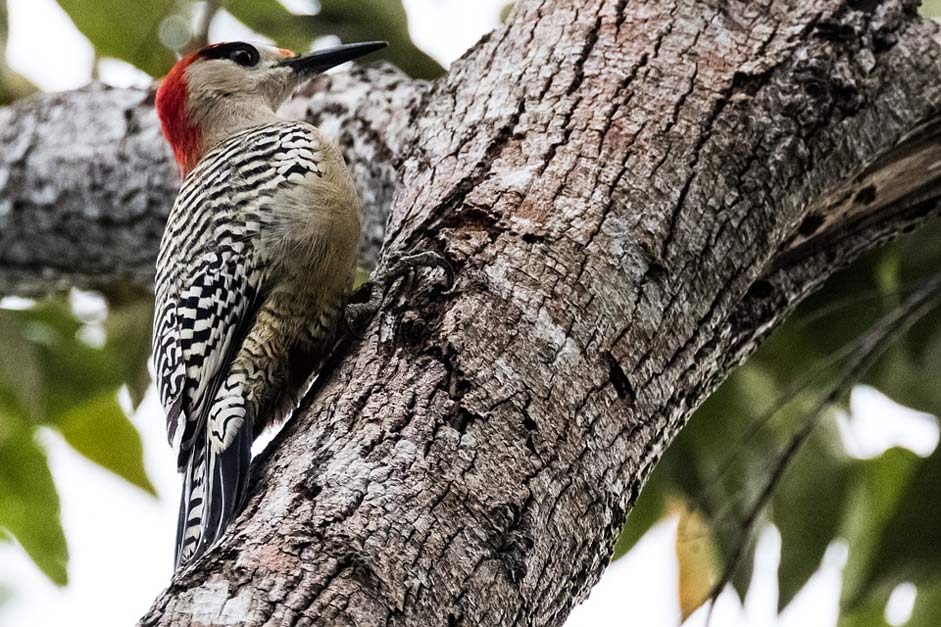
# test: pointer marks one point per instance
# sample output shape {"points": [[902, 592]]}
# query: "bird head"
{"points": [[225, 87]]}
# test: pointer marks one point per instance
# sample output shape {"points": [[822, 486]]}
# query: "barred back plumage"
{"points": [[258, 253]]}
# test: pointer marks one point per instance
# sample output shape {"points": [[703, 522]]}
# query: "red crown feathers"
{"points": [[184, 136]]}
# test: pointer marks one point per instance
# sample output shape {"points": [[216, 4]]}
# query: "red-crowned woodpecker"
{"points": [[257, 257]]}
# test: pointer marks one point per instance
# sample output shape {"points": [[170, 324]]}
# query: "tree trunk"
{"points": [[631, 195]]}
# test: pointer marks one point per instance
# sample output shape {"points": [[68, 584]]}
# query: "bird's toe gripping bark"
{"points": [[366, 301]]}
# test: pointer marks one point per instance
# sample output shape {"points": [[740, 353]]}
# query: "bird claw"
{"points": [[357, 314], [402, 265]]}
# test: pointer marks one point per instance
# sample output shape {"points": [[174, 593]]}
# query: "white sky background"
{"points": [[120, 539]]}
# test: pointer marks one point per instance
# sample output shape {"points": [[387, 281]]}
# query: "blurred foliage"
{"points": [[350, 20], [931, 8], [52, 378], [12, 85], [125, 30], [696, 554], [149, 35], [29, 504], [886, 509], [360, 277], [506, 11], [5, 595]]}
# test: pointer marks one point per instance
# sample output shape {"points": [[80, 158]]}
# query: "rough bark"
{"points": [[631, 195]]}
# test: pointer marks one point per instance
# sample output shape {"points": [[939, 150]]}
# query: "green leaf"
{"points": [[29, 504], [717, 471], [807, 508], [296, 32], [78, 383], [5, 595], [908, 373], [50, 317], [906, 548], [125, 30], [927, 605], [506, 11], [885, 508], [649, 508], [877, 487], [350, 20], [870, 615], [20, 370], [74, 372], [365, 20], [99, 430], [13, 86], [360, 277], [128, 329], [807, 511], [931, 8]]}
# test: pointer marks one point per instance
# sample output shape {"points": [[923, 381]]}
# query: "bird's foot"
{"points": [[368, 298]]}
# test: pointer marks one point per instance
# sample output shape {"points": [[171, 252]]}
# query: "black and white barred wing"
{"points": [[197, 329]]}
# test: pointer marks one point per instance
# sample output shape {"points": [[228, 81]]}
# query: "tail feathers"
{"points": [[192, 500], [214, 488]]}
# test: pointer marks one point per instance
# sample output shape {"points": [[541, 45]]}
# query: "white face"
{"points": [[242, 73]]}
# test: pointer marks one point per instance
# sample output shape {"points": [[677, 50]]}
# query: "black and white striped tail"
{"points": [[214, 488]]}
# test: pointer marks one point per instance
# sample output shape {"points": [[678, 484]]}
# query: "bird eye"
{"points": [[246, 56]]}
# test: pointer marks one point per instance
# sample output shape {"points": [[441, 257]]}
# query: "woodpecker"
{"points": [[256, 260]]}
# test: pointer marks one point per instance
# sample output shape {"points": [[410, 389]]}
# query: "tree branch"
{"points": [[86, 181]]}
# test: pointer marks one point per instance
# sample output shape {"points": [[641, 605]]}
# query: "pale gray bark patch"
{"points": [[86, 180], [631, 194], [85, 186]]}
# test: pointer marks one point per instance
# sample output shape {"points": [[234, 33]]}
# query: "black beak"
{"points": [[323, 60]]}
